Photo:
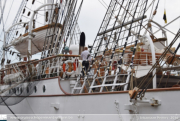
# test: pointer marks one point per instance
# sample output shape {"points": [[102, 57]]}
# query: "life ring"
{"points": [[64, 67]]}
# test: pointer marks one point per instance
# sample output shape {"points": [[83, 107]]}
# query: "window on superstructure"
{"points": [[27, 89]]}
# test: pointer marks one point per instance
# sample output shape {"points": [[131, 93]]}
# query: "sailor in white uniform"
{"points": [[85, 55]]}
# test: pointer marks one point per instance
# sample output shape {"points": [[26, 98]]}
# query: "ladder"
{"points": [[101, 86], [76, 87]]}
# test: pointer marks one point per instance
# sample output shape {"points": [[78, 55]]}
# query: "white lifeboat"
{"points": [[21, 43]]}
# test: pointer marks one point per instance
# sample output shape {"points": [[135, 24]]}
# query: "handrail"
{"points": [[36, 61]]}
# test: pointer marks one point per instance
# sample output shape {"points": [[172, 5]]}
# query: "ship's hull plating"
{"points": [[54, 101]]}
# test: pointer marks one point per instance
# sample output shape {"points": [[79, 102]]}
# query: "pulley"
{"points": [[8, 61], [2, 61], [149, 25], [105, 38], [34, 23], [46, 16], [20, 20], [17, 33], [154, 13], [24, 25], [29, 13], [24, 10], [33, 1], [133, 93]]}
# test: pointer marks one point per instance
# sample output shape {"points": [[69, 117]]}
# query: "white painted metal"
{"points": [[108, 85], [84, 82], [91, 104], [75, 49], [115, 79], [72, 84], [127, 81], [153, 59], [15, 25], [76, 84], [4, 42], [92, 84], [104, 80]]}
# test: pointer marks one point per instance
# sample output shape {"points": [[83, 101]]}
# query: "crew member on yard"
{"points": [[85, 55]]}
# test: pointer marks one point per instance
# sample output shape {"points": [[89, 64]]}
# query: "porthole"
{"points": [[44, 88], [14, 90], [17, 90], [27, 89], [21, 90], [10, 91], [35, 89]]}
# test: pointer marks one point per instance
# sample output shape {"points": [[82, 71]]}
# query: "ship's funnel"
{"points": [[82, 42]]}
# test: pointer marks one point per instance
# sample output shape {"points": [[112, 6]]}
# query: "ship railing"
{"points": [[44, 68]]}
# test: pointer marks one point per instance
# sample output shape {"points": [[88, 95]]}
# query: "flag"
{"points": [[164, 17]]}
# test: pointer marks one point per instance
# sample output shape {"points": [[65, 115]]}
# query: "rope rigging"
{"points": [[159, 62]]}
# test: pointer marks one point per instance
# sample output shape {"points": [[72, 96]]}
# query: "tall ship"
{"points": [[134, 68]]}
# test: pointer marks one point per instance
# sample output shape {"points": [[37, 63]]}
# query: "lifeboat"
{"points": [[39, 34]]}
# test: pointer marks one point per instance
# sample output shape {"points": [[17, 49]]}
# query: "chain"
{"points": [[135, 112], [117, 108]]}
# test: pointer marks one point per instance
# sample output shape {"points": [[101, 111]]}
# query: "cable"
{"points": [[2, 10], [102, 4], [9, 11], [10, 109]]}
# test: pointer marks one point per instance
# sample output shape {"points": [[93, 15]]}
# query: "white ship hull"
{"points": [[55, 100]]}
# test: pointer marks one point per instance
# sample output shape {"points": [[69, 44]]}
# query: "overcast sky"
{"points": [[93, 11], [92, 14]]}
